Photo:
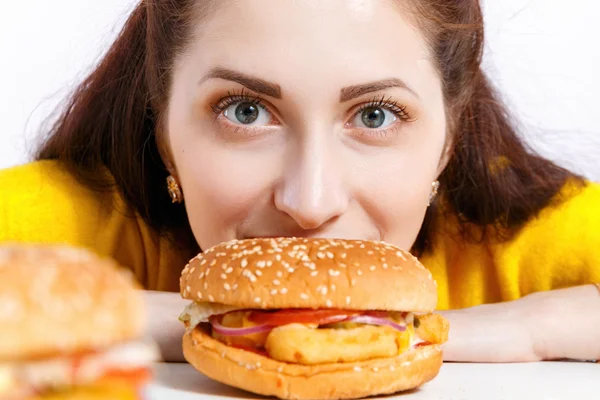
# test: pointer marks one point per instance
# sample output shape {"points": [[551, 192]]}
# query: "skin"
{"points": [[310, 166]]}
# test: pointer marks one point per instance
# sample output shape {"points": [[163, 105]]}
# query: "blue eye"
{"points": [[374, 118], [247, 113]]}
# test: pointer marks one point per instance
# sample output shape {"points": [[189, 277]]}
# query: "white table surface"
{"points": [[535, 381]]}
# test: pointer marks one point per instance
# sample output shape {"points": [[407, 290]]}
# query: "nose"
{"points": [[312, 190]]}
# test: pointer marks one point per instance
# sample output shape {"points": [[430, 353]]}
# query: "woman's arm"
{"points": [[542, 326], [163, 324]]}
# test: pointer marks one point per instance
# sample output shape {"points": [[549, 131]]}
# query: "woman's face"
{"points": [[306, 118]]}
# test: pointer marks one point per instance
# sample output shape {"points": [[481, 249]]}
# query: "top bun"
{"points": [[57, 300], [310, 273]]}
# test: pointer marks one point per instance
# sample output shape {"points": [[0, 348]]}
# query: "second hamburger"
{"points": [[312, 318]]}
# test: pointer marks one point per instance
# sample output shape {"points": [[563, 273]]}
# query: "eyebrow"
{"points": [[255, 84], [352, 92], [274, 90]]}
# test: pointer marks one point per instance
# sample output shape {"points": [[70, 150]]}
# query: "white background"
{"points": [[543, 54]]}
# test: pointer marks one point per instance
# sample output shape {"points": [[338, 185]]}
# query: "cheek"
{"points": [[221, 186], [395, 186]]}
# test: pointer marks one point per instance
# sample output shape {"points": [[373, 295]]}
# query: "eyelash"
{"points": [[399, 110], [233, 98], [243, 95]]}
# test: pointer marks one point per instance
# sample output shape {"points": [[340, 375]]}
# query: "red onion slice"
{"points": [[370, 320], [226, 331]]}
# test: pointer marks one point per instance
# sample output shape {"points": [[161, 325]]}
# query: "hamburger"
{"points": [[302, 318], [70, 326]]}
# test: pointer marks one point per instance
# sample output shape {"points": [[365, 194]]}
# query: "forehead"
{"points": [[364, 39]]}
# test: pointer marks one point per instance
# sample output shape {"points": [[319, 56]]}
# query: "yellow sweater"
{"points": [[41, 202]]}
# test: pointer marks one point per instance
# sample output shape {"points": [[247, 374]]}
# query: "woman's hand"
{"points": [[163, 324], [542, 326]]}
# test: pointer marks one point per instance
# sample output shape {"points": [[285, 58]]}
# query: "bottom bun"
{"points": [[94, 392], [262, 375]]}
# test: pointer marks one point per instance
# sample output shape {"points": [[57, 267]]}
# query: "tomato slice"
{"points": [[423, 344], [300, 316]]}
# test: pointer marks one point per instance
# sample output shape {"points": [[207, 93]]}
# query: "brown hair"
{"points": [[112, 119]]}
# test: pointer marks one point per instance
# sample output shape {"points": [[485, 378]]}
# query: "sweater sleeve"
{"points": [[560, 248], [42, 203]]}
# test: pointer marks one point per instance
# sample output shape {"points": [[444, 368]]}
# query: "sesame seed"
{"points": [[334, 272], [199, 295], [211, 298], [329, 255], [291, 270], [348, 300], [353, 282], [303, 296], [280, 369], [244, 263], [213, 263], [344, 255], [258, 272], [278, 257], [258, 364], [332, 287], [188, 289], [205, 285], [235, 286], [375, 369], [276, 282], [261, 264], [279, 274], [385, 266], [357, 368], [201, 275], [269, 263], [223, 276], [373, 268], [273, 292], [359, 272], [320, 255], [324, 290], [392, 368], [229, 270], [202, 262], [257, 300], [227, 286], [192, 270], [314, 273], [283, 291]]}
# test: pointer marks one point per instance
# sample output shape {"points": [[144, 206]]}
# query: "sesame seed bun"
{"points": [[57, 300], [262, 375], [310, 273]]}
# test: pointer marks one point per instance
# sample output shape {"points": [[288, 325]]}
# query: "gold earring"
{"points": [[174, 189], [435, 187]]}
